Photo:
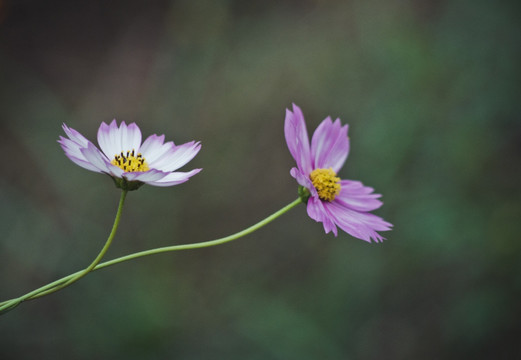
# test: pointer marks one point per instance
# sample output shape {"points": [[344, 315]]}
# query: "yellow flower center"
{"points": [[130, 162], [326, 182]]}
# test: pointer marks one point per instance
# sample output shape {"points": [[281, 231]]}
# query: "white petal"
{"points": [[75, 136], [105, 140], [96, 158], [153, 148], [133, 139], [114, 139], [174, 178], [177, 157], [152, 175]]}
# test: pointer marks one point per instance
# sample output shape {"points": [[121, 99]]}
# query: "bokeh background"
{"points": [[431, 91]]}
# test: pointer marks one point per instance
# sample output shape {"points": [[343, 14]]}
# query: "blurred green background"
{"points": [[431, 91]]}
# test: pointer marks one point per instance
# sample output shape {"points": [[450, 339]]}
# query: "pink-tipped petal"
{"points": [[162, 154], [75, 136], [131, 139], [114, 137], [174, 178], [177, 156], [151, 175], [330, 145], [98, 159], [80, 161], [72, 148], [106, 139], [297, 138], [153, 148]]}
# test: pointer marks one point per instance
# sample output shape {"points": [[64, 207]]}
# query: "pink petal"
{"points": [[361, 225], [318, 212], [354, 195], [303, 180], [330, 145], [297, 138]]}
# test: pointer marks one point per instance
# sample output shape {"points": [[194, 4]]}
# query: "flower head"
{"points": [[330, 200], [128, 161]]}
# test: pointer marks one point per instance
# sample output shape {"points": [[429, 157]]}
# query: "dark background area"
{"points": [[431, 92]]}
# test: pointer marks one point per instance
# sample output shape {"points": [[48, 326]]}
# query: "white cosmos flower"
{"points": [[128, 161]]}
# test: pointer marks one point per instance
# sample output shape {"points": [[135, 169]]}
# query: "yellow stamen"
{"points": [[130, 162], [326, 182]]}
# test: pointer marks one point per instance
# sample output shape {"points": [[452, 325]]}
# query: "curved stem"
{"points": [[204, 244], [100, 256], [68, 279]]}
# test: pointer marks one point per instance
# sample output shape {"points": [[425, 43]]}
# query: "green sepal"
{"points": [[126, 185], [304, 194]]}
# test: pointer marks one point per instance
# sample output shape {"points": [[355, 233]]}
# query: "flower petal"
{"points": [[330, 145], [73, 152], [153, 148], [303, 180], [297, 138], [318, 212], [361, 225], [131, 140], [174, 178], [356, 196], [176, 157], [151, 175], [75, 136], [98, 159], [114, 138], [72, 148], [108, 142]]}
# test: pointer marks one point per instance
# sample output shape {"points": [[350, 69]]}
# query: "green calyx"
{"points": [[304, 194], [126, 185]]}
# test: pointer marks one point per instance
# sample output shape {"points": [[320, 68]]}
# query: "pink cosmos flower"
{"points": [[128, 161], [330, 200]]}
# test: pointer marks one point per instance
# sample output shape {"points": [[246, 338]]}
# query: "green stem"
{"points": [[67, 279], [100, 256], [202, 244]]}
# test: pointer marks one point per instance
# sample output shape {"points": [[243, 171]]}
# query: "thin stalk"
{"points": [[68, 280], [65, 281]]}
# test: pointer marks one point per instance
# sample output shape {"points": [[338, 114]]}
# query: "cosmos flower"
{"points": [[330, 200], [128, 161]]}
